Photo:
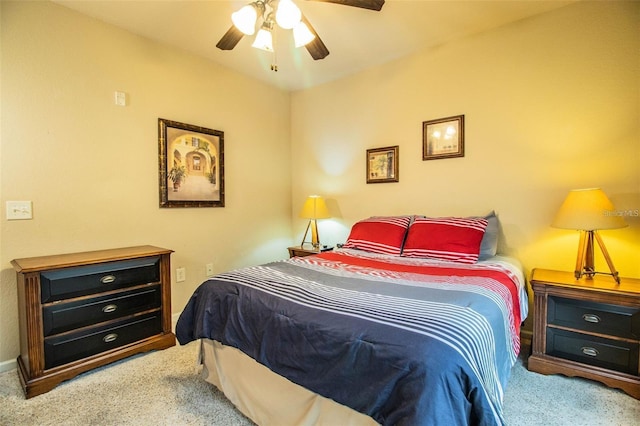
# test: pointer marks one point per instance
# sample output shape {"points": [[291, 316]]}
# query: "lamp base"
{"points": [[315, 237], [585, 264]]}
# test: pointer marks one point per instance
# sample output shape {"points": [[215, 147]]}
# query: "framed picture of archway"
{"points": [[191, 165]]}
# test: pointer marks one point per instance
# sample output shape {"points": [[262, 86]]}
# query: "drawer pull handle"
{"points": [[109, 308], [108, 279], [591, 318], [110, 337], [590, 351]]}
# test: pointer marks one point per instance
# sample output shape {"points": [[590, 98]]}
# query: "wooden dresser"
{"points": [[79, 311], [588, 328]]}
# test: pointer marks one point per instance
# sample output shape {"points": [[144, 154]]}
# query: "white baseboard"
{"points": [[8, 365]]}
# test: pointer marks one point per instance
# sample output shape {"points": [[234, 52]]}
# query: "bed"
{"points": [[415, 321]]}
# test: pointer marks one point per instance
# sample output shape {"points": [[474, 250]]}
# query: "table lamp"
{"points": [[589, 210], [314, 208]]}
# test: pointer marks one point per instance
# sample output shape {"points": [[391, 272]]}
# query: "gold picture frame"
{"points": [[383, 164], [443, 138], [191, 165]]}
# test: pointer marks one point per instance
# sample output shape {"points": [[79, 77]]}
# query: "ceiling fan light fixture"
{"points": [[302, 35], [245, 19], [264, 39], [287, 14]]}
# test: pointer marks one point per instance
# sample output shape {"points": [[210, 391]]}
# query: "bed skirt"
{"points": [[268, 398]]}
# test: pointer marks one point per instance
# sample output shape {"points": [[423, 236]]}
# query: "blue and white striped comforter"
{"points": [[403, 341]]}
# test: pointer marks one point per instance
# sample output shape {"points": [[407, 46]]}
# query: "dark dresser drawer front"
{"points": [[60, 317], [605, 353], [613, 320], [82, 280], [61, 350]]}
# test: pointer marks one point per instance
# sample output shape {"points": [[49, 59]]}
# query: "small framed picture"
{"points": [[191, 165], [443, 138], [382, 164]]}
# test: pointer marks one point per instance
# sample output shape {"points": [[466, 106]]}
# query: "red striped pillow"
{"points": [[446, 238], [379, 234]]}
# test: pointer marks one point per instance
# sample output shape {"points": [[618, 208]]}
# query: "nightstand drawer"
{"points": [[60, 317], [594, 317], [606, 353], [83, 280], [71, 347]]}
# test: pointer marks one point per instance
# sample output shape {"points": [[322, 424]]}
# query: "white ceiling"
{"points": [[357, 38]]}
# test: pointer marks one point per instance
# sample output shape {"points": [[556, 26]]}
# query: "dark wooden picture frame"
{"points": [[383, 164], [443, 138], [191, 165]]}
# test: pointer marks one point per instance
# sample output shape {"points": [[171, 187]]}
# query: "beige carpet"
{"points": [[162, 388]]}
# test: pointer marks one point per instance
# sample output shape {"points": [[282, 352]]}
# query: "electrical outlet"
{"points": [[209, 269], [181, 274]]}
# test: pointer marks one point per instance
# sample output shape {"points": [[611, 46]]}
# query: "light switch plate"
{"points": [[181, 274], [19, 210], [120, 98]]}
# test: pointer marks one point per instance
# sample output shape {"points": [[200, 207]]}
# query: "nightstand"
{"points": [[307, 250], [588, 328]]}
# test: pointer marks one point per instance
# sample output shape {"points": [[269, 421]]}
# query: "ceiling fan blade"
{"points": [[316, 47], [364, 4], [230, 39]]}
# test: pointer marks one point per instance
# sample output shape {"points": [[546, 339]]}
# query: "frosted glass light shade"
{"points": [[587, 210], [263, 40], [245, 19], [288, 14], [314, 208], [302, 35]]}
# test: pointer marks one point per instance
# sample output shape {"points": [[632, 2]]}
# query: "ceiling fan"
{"points": [[288, 16]]}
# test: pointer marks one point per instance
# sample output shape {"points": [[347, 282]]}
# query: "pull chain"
{"points": [[274, 64]]}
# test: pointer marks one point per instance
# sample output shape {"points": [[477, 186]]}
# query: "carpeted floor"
{"points": [[162, 388]]}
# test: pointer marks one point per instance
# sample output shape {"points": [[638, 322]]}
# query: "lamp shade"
{"points": [[587, 210], [302, 35], [264, 40], [315, 208], [245, 19], [288, 14]]}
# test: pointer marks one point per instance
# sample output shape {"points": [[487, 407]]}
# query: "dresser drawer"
{"points": [[66, 283], [606, 353], [65, 316], [594, 317], [70, 347]]}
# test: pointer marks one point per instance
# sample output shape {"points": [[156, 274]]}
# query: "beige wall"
{"points": [[91, 167], [551, 104]]}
